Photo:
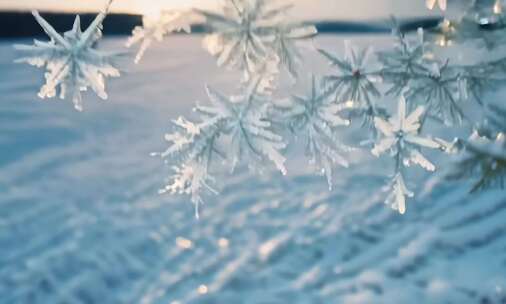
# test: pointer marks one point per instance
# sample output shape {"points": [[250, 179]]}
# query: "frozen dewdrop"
{"points": [[184, 243], [203, 289]]}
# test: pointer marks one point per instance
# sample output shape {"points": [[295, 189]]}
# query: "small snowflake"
{"points": [[401, 137], [72, 62], [356, 81]]}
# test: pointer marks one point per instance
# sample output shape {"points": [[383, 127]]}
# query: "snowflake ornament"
{"points": [[72, 62], [432, 3], [400, 137], [316, 118], [355, 80], [248, 32], [155, 29]]}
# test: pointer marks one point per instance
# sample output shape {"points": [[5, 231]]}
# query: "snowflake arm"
{"points": [[286, 47], [441, 93], [155, 30], [315, 118], [398, 192], [354, 80], [50, 31]]}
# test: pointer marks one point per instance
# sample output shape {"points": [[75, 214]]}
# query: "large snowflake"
{"points": [[233, 128], [72, 62], [249, 32]]}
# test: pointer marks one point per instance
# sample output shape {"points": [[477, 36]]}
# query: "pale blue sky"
{"points": [[306, 9]]}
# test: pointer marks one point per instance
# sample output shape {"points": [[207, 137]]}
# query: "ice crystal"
{"points": [[356, 80], [400, 137], [441, 92], [155, 29], [72, 62], [315, 118], [238, 125], [247, 122], [191, 179], [248, 32], [407, 61]]}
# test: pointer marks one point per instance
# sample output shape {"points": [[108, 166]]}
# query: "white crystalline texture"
{"points": [[248, 32], [72, 62], [316, 118], [398, 193], [355, 80], [400, 136], [238, 125], [246, 121], [190, 179], [155, 29]]}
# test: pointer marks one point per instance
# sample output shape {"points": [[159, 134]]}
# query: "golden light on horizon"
{"points": [[142, 7], [304, 9], [154, 7]]}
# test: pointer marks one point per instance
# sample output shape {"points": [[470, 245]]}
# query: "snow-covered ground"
{"points": [[81, 220]]}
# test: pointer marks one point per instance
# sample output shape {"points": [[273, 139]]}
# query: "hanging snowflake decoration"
{"points": [[315, 118], [400, 137], [356, 80], [72, 62], [233, 129], [248, 32], [155, 29]]}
